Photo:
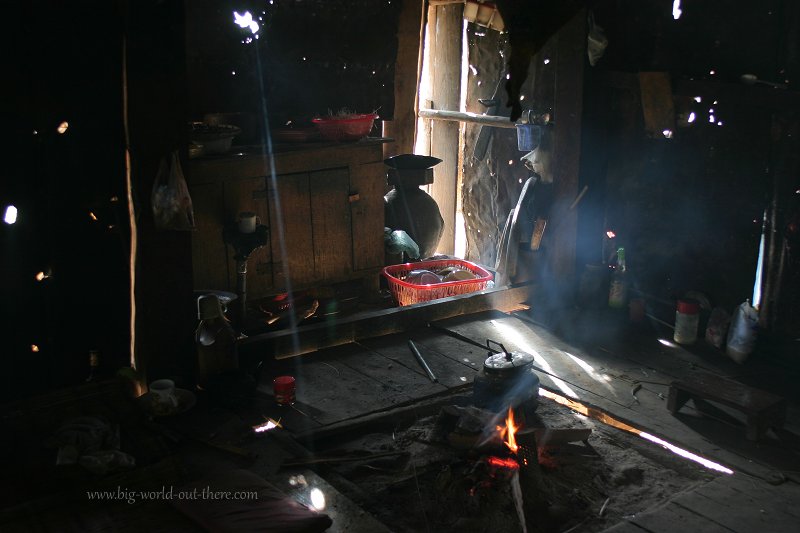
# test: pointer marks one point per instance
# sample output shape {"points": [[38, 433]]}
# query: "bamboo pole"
{"points": [[457, 116]]}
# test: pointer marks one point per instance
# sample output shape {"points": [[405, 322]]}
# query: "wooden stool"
{"points": [[763, 410]]}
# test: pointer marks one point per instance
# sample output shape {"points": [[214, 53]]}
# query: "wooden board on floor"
{"points": [[672, 517], [450, 373], [737, 514], [402, 378], [748, 493], [337, 392]]}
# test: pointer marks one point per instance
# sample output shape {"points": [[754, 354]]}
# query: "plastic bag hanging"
{"points": [[170, 200]]}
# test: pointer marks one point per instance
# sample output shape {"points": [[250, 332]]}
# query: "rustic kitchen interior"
{"points": [[400, 265]]}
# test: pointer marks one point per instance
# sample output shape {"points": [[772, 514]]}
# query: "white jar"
{"points": [[687, 317]]}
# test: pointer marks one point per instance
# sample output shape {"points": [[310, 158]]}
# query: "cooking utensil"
{"points": [[421, 361], [507, 380]]}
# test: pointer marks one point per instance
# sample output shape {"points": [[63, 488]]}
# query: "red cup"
{"points": [[284, 389]]}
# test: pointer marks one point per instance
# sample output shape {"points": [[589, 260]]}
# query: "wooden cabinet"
{"points": [[323, 206]]}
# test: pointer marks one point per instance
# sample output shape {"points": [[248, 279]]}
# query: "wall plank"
{"points": [[446, 78]]}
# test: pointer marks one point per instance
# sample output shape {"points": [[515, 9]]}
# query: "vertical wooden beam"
{"points": [[406, 79], [446, 88], [156, 88], [567, 110]]}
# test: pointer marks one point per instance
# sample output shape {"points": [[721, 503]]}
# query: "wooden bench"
{"points": [[763, 410]]}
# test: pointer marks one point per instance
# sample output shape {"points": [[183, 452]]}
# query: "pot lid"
{"points": [[411, 162], [507, 362]]}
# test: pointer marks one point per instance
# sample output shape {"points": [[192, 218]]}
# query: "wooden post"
{"points": [[448, 21], [567, 112], [406, 79], [156, 88]]}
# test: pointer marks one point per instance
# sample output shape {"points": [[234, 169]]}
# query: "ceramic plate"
{"points": [[186, 400]]}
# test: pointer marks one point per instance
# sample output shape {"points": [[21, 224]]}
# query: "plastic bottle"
{"points": [[215, 340], [618, 289], [687, 317]]}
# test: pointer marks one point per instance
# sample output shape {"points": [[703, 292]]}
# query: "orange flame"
{"points": [[508, 432]]}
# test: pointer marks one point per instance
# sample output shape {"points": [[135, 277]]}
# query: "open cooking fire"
{"points": [[508, 433]]}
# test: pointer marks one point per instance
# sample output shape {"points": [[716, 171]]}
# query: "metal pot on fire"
{"points": [[507, 380]]}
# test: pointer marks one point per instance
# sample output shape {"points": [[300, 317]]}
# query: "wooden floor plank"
{"points": [[737, 514], [395, 348], [401, 378], [783, 498], [625, 527], [469, 360], [337, 392], [671, 518]]}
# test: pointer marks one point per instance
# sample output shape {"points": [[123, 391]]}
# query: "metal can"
{"points": [[284, 389]]}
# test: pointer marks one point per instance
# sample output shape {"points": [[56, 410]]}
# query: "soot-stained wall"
{"points": [[688, 204]]}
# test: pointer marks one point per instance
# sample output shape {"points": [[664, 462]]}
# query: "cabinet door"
{"points": [[249, 194], [367, 186], [330, 221], [290, 227]]}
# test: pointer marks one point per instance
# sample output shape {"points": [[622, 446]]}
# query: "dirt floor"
{"points": [[432, 486]]}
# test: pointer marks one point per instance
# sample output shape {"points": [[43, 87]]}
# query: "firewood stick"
{"points": [[313, 460]]}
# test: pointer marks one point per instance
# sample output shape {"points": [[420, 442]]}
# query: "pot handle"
{"points": [[506, 352]]}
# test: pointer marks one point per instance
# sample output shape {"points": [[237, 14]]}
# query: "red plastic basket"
{"points": [[345, 129], [406, 293]]}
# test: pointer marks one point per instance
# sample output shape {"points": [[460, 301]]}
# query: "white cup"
{"points": [[163, 391], [248, 222]]}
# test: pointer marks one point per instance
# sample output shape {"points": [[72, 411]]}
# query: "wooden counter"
{"points": [[322, 204]]}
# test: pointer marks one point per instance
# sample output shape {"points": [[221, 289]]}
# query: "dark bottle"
{"points": [[94, 366], [618, 289], [215, 341]]}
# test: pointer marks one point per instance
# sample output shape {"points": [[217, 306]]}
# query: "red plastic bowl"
{"points": [[352, 128]]}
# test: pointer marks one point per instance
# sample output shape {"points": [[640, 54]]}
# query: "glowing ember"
{"points": [[500, 462], [63, 127], [508, 432]]}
